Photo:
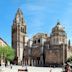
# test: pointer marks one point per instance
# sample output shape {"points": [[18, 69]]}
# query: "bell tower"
{"points": [[18, 35]]}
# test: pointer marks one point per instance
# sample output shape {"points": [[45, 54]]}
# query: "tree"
{"points": [[10, 54], [0, 54], [0, 51], [69, 59], [7, 53]]}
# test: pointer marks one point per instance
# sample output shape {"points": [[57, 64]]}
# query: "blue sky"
{"points": [[40, 16]]}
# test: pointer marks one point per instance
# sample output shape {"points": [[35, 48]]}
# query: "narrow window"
{"points": [[38, 40], [34, 41], [21, 29]]}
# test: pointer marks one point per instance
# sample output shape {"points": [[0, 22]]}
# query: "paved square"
{"points": [[30, 69]]}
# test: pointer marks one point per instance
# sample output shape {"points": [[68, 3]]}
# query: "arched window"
{"points": [[34, 41], [38, 40], [21, 29]]}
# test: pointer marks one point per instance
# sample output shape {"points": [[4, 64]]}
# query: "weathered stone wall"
{"points": [[53, 56]]}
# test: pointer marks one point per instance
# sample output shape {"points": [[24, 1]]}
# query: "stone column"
{"points": [[41, 60], [41, 57], [37, 62], [32, 62]]}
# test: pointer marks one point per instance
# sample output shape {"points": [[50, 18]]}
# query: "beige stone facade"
{"points": [[19, 37], [2, 43], [41, 49]]}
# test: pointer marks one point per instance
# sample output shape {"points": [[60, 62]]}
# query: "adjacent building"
{"points": [[42, 49], [2, 43]]}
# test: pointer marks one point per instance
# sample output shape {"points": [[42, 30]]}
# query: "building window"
{"points": [[23, 38], [34, 41], [21, 29], [63, 40], [38, 40], [56, 40]]}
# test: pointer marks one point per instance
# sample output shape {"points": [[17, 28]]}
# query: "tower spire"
{"points": [[19, 19]]}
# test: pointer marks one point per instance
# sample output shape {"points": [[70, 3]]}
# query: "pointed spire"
{"points": [[19, 19], [19, 11]]}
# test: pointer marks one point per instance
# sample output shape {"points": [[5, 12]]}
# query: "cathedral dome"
{"points": [[58, 27], [58, 35], [58, 30]]}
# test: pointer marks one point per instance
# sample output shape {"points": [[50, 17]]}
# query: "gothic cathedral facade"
{"points": [[41, 49]]}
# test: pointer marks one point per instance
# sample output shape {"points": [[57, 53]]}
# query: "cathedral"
{"points": [[42, 49]]}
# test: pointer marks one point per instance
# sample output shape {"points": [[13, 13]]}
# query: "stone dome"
{"points": [[58, 30], [58, 27]]}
